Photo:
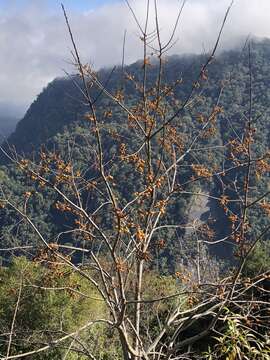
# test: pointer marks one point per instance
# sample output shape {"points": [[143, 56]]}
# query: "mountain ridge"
{"points": [[60, 103]]}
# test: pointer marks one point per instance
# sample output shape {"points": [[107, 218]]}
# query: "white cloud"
{"points": [[35, 45]]}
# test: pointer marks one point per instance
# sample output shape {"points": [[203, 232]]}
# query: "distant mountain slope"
{"points": [[56, 106], [61, 103], [56, 118], [7, 126]]}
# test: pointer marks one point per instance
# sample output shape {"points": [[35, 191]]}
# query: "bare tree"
{"points": [[124, 234]]}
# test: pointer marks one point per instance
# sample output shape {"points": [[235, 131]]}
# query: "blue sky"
{"points": [[83, 4], [86, 4], [79, 5]]}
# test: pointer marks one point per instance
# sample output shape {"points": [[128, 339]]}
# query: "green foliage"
{"points": [[55, 301], [238, 342], [259, 260], [52, 301]]}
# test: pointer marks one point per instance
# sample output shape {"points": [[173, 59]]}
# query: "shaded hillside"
{"points": [[7, 126], [61, 102]]}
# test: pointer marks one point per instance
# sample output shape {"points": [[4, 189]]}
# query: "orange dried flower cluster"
{"points": [[150, 178], [121, 265], [48, 256], [233, 219], [119, 96], [192, 300], [50, 164], [120, 214], [27, 194], [134, 158], [140, 234], [2, 204], [172, 140], [201, 170], [85, 229], [143, 255], [217, 110], [237, 148], [129, 77], [224, 200], [108, 114], [91, 185], [24, 164], [183, 275], [237, 237], [89, 117], [123, 151], [144, 194], [159, 182], [206, 231], [140, 164], [53, 246], [262, 167], [210, 131], [124, 229], [148, 192], [200, 118], [161, 206], [146, 62], [161, 244], [266, 207], [63, 207]]}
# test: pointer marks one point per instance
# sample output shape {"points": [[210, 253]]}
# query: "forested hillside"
{"points": [[60, 104], [57, 116], [124, 192]]}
